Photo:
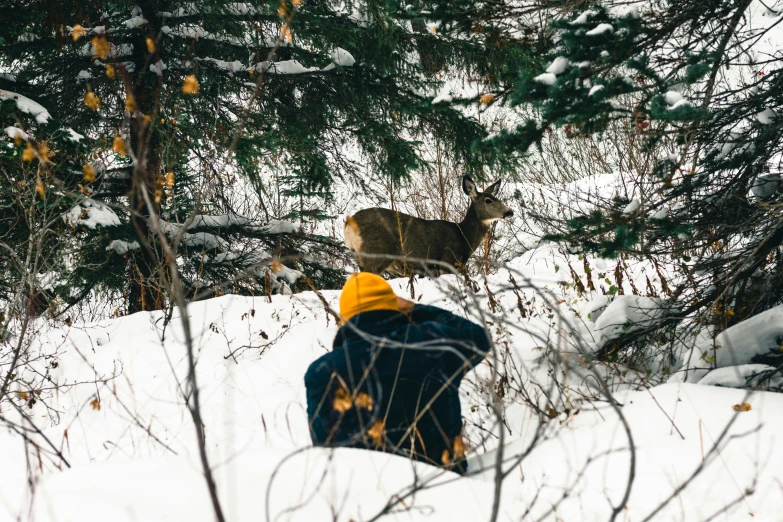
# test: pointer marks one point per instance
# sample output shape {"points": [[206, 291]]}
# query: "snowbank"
{"points": [[759, 335], [628, 313], [131, 446]]}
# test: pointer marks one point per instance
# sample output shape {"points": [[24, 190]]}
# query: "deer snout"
{"points": [[509, 214]]}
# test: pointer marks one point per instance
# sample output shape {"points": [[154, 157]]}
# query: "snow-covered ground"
{"points": [[118, 416]]}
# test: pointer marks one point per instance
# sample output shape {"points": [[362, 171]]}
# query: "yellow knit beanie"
{"points": [[364, 292]]}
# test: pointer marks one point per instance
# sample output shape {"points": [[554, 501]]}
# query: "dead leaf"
{"points": [[376, 432], [363, 401], [342, 401], [29, 153], [119, 146], [89, 173], [92, 101], [445, 458], [100, 47], [459, 447], [285, 32], [486, 99], [96, 404], [741, 407], [190, 85], [130, 104]]}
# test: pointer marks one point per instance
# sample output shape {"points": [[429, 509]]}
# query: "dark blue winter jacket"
{"points": [[391, 383]]}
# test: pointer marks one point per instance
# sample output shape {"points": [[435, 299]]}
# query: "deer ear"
{"points": [[469, 187], [493, 189]]}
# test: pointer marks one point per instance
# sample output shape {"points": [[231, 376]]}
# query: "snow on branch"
{"points": [[91, 214], [26, 105]]}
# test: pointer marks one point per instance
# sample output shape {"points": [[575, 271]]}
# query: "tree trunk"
{"points": [[147, 277]]}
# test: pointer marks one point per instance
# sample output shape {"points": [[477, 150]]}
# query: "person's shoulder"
{"points": [[318, 369]]}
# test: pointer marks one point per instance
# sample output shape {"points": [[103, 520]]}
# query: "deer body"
{"points": [[394, 241]]}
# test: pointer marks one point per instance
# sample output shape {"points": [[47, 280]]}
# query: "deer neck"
{"points": [[473, 229]]}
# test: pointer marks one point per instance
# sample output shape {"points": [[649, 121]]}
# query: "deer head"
{"points": [[487, 206]]}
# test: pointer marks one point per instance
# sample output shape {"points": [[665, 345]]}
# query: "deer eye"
{"points": [[487, 200]]}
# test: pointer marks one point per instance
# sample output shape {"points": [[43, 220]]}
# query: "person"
{"points": [[391, 382]]}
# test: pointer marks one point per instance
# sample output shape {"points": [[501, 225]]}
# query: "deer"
{"points": [[397, 243]]}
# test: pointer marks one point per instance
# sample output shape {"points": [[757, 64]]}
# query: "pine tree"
{"points": [[182, 106], [683, 76]]}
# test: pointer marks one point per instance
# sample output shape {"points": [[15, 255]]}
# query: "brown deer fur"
{"points": [[399, 244]]}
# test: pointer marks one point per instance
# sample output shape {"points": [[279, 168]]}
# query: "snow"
{"points": [[672, 97], [241, 8], [759, 335], [286, 274], [582, 18], [226, 256], [280, 227], [625, 11], [679, 104], [766, 116], [628, 313], [558, 65], [173, 489], [766, 186], [204, 239], [661, 213], [121, 247], [218, 221], [14, 132], [189, 32], [233, 67], [115, 51], [91, 214], [442, 98], [632, 207], [26, 105], [258, 442], [158, 67], [738, 376], [135, 22], [84, 75], [73, 135], [546, 78], [594, 89], [342, 58], [617, 105], [675, 100], [285, 67], [189, 9], [600, 29], [253, 352]]}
